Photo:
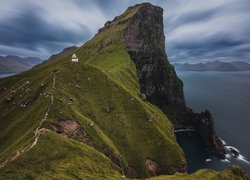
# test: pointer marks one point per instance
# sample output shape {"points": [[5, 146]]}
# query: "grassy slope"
{"points": [[105, 77], [83, 162], [56, 157], [204, 174]]}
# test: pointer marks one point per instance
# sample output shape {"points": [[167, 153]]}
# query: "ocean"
{"points": [[227, 96], [2, 75]]}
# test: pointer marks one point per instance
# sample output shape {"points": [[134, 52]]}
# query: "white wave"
{"points": [[239, 158], [225, 160], [243, 158], [184, 130], [228, 148], [223, 142], [228, 156], [208, 160]]}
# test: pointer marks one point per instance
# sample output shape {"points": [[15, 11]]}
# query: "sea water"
{"points": [[2, 75], [227, 96]]}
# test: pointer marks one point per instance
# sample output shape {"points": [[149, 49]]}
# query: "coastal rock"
{"points": [[234, 152], [145, 43], [204, 123]]}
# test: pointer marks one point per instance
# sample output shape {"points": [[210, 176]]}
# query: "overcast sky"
{"points": [[195, 30]]}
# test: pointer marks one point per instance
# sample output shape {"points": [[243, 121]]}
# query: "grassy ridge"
{"points": [[205, 174], [101, 93], [105, 78], [56, 157]]}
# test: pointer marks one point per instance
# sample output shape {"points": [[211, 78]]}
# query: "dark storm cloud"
{"points": [[188, 18], [204, 32], [195, 31], [32, 31], [29, 30]]}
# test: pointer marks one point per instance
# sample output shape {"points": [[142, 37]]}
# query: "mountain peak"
{"points": [[134, 12], [145, 29], [145, 5]]}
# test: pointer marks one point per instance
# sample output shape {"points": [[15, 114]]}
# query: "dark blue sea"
{"points": [[227, 96], [2, 75]]}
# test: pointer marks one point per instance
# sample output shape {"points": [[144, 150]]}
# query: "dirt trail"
{"points": [[38, 130]]}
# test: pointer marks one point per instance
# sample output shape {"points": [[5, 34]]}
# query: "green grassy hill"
{"points": [[100, 93], [85, 120]]}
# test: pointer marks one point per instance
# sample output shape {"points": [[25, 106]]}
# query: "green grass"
{"points": [[126, 126], [105, 77], [56, 157], [205, 174]]}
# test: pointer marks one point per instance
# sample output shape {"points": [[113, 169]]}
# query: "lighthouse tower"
{"points": [[74, 58]]}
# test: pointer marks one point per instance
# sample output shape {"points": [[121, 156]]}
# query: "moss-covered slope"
{"points": [[56, 157], [67, 120], [101, 94]]}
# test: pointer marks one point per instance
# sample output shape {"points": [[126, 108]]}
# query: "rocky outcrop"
{"points": [[145, 43], [152, 166], [204, 124], [71, 129]]}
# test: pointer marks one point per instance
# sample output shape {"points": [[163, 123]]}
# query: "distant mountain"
{"points": [[64, 51], [214, 66], [15, 64]]}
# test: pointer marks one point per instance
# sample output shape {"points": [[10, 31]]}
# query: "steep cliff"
{"points": [[145, 43], [93, 108]]}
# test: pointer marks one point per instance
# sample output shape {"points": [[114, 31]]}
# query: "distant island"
{"points": [[214, 66], [16, 64]]}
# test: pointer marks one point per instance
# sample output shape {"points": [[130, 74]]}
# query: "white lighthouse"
{"points": [[74, 58]]}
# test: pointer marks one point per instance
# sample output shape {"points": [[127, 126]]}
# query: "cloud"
{"points": [[47, 26], [218, 30], [195, 31]]}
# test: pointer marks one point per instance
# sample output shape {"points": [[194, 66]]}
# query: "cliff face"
{"points": [[97, 107], [145, 43], [204, 124]]}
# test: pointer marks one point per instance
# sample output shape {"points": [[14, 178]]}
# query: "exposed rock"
{"points": [[204, 123], [68, 128], [91, 124], [234, 152], [152, 166], [145, 43], [71, 129], [143, 96]]}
